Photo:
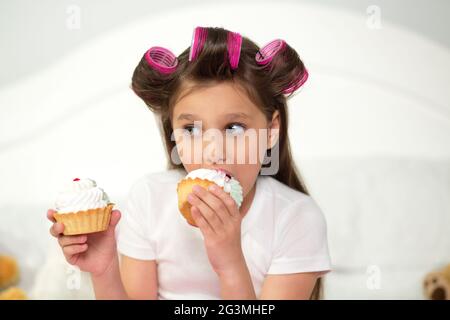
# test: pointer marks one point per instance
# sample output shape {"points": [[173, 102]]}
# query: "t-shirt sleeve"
{"points": [[301, 243], [133, 234]]}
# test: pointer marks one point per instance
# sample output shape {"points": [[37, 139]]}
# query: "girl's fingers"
{"points": [[226, 199], [70, 240], [74, 249], [210, 216], [71, 259], [115, 217], [214, 202], [50, 213], [201, 221], [57, 229]]}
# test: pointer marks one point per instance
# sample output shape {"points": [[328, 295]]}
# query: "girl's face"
{"points": [[219, 127]]}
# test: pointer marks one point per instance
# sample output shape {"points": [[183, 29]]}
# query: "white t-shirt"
{"points": [[284, 231]]}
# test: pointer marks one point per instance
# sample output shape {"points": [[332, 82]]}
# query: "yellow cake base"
{"points": [[82, 222], [9, 272], [184, 187]]}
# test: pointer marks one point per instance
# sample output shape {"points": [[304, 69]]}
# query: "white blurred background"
{"points": [[370, 130]]}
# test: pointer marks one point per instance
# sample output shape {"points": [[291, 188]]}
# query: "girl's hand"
{"points": [[219, 219], [92, 252]]}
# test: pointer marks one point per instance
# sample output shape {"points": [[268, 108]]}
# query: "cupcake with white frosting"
{"points": [[83, 207], [205, 178]]}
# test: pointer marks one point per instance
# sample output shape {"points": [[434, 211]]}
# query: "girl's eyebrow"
{"points": [[237, 115], [229, 116], [187, 116]]}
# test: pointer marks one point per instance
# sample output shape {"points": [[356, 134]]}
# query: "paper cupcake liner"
{"points": [[13, 293], [184, 187], [82, 222]]}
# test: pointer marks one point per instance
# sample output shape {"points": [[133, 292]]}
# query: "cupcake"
{"points": [[205, 178], [83, 207]]}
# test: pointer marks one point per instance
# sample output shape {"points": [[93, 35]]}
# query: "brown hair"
{"points": [[264, 86]]}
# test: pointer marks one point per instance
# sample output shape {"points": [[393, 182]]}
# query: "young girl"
{"points": [[274, 246]]}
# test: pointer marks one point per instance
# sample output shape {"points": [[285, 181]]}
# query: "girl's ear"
{"points": [[274, 129]]}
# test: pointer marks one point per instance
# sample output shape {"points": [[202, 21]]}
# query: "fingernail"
{"points": [[212, 188], [190, 197], [196, 188]]}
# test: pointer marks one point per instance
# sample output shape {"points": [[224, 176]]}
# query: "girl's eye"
{"points": [[191, 130], [236, 128], [233, 129]]}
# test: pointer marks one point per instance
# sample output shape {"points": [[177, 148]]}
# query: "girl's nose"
{"points": [[213, 156], [213, 151]]}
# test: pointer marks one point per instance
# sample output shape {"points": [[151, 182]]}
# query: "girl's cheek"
{"points": [[248, 151], [184, 153], [190, 152], [247, 176]]}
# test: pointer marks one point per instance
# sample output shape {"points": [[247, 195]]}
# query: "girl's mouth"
{"points": [[227, 173]]}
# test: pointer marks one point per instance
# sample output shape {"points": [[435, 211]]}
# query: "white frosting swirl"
{"points": [[81, 195], [229, 185]]}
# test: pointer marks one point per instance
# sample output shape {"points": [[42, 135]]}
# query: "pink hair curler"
{"points": [[270, 50], [161, 59], [234, 43], [298, 82], [198, 41], [265, 55]]}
